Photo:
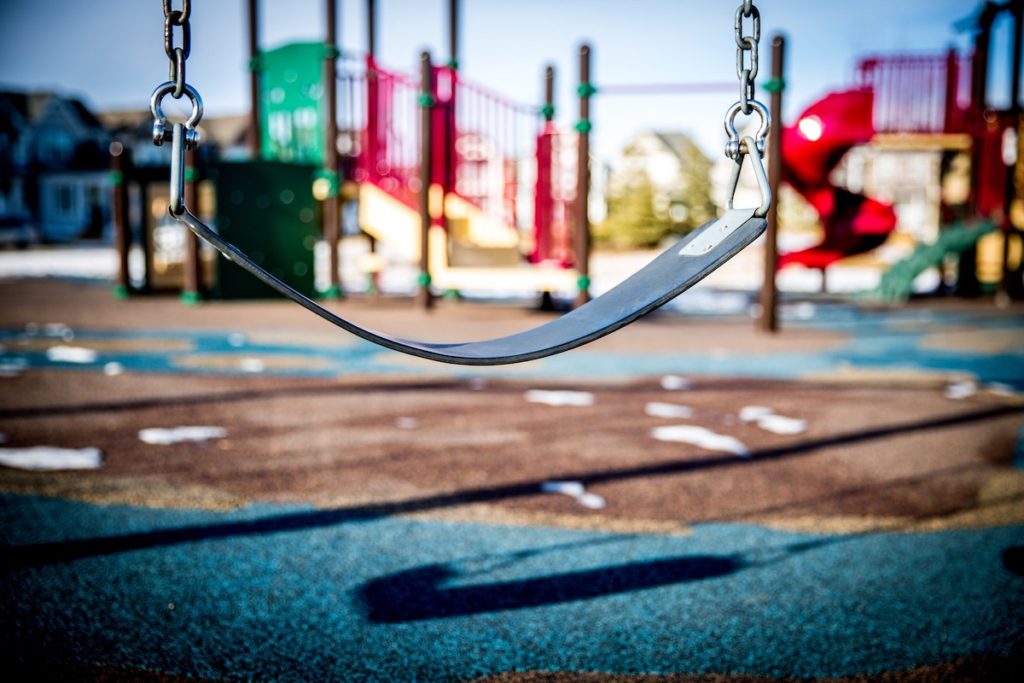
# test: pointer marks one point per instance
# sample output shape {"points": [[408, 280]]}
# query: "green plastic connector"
{"points": [[332, 292], [583, 283], [331, 51], [121, 292], [116, 178], [775, 85], [583, 126], [425, 100], [586, 89], [191, 298], [548, 111], [423, 279], [191, 174], [452, 63]]}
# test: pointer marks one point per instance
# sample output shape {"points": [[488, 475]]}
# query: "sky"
{"points": [[110, 52]]}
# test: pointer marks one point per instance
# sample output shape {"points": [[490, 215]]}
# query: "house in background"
{"points": [[55, 184]]}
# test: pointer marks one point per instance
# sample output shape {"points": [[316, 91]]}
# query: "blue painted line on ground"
{"points": [[292, 593]]}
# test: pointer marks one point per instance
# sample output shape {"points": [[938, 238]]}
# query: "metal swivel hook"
{"points": [[161, 130]]}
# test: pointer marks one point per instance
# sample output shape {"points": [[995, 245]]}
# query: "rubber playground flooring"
{"points": [[370, 518]]}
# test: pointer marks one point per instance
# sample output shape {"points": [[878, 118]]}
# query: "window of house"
{"points": [[64, 199], [55, 147]]}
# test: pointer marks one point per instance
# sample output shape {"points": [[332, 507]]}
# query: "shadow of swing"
{"points": [[420, 594]]}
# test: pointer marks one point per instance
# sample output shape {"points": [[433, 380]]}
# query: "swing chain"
{"points": [[177, 55], [746, 71], [176, 85]]}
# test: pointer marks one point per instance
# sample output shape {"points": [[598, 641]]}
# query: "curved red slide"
{"points": [[824, 132]]}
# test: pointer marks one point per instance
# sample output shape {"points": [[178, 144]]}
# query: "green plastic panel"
{"points": [[267, 209], [291, 111]]}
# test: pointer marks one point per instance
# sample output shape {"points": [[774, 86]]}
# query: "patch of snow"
{"points": [[669, 410], [754, 413], [405, 422], [112, 369], [699, 436], [780, 424], [768, 420], [13, 367], [70, 354], [236, 339], [251, 365], [576, 490], [559, 398], [163, 436], [675, 383], [51, 458], [1000, 389], [961, 390]]}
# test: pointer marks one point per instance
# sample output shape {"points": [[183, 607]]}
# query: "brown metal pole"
{"points": [[453, 33], [424, 299], [332, 203], [120, 163], [769, 290], [254, 80], [582, 241], [191, 289]]}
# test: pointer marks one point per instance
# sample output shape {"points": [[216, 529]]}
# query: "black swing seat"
{"points": [[673, 272]]}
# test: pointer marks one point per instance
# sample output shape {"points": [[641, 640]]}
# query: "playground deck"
{"points": [[371, 517]]}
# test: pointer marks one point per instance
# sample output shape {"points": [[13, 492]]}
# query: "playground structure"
{"points": [[925, 102], [501, 203]]}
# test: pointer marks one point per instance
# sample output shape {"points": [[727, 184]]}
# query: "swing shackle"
{"points": [[161, 129]]}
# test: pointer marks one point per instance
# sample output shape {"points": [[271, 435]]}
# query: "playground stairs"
{"points": [[476, 252]]}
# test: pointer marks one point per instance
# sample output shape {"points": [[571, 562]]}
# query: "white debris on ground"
{"points": [[768, 420], [59, 330], [13, 367], [70, 354], [405, 422], [559, 398], [669, 410], [699, 436], [961, 390], [675, 383], [236, 340], [163, 436], [575, 490], [113, 369], [251, 365], [51, 458]]}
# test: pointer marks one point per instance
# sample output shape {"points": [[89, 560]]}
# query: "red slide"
{"points": [[812, 148]]}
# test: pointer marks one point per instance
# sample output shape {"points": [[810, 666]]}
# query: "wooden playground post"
{"points": [[120, 163], [254, 80], [769, 290], [582, 241], [332, 202], [191, 286], [424, 299], [373, 283]]}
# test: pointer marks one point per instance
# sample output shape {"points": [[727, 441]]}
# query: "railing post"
{"points": [[769, 289], [120, 163], [332, 202], [582, 241], [254, 80], [543, 200], [424, 298], [191, 289]]}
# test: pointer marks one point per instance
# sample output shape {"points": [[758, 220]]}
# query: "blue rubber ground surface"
{"points": [[883, 340], [293, 593]]}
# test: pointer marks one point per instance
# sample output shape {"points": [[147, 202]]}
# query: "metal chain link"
{"points": [[177, 55]]}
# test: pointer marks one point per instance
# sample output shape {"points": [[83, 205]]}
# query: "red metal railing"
{"points": [[918, 93], [485, 148]]}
